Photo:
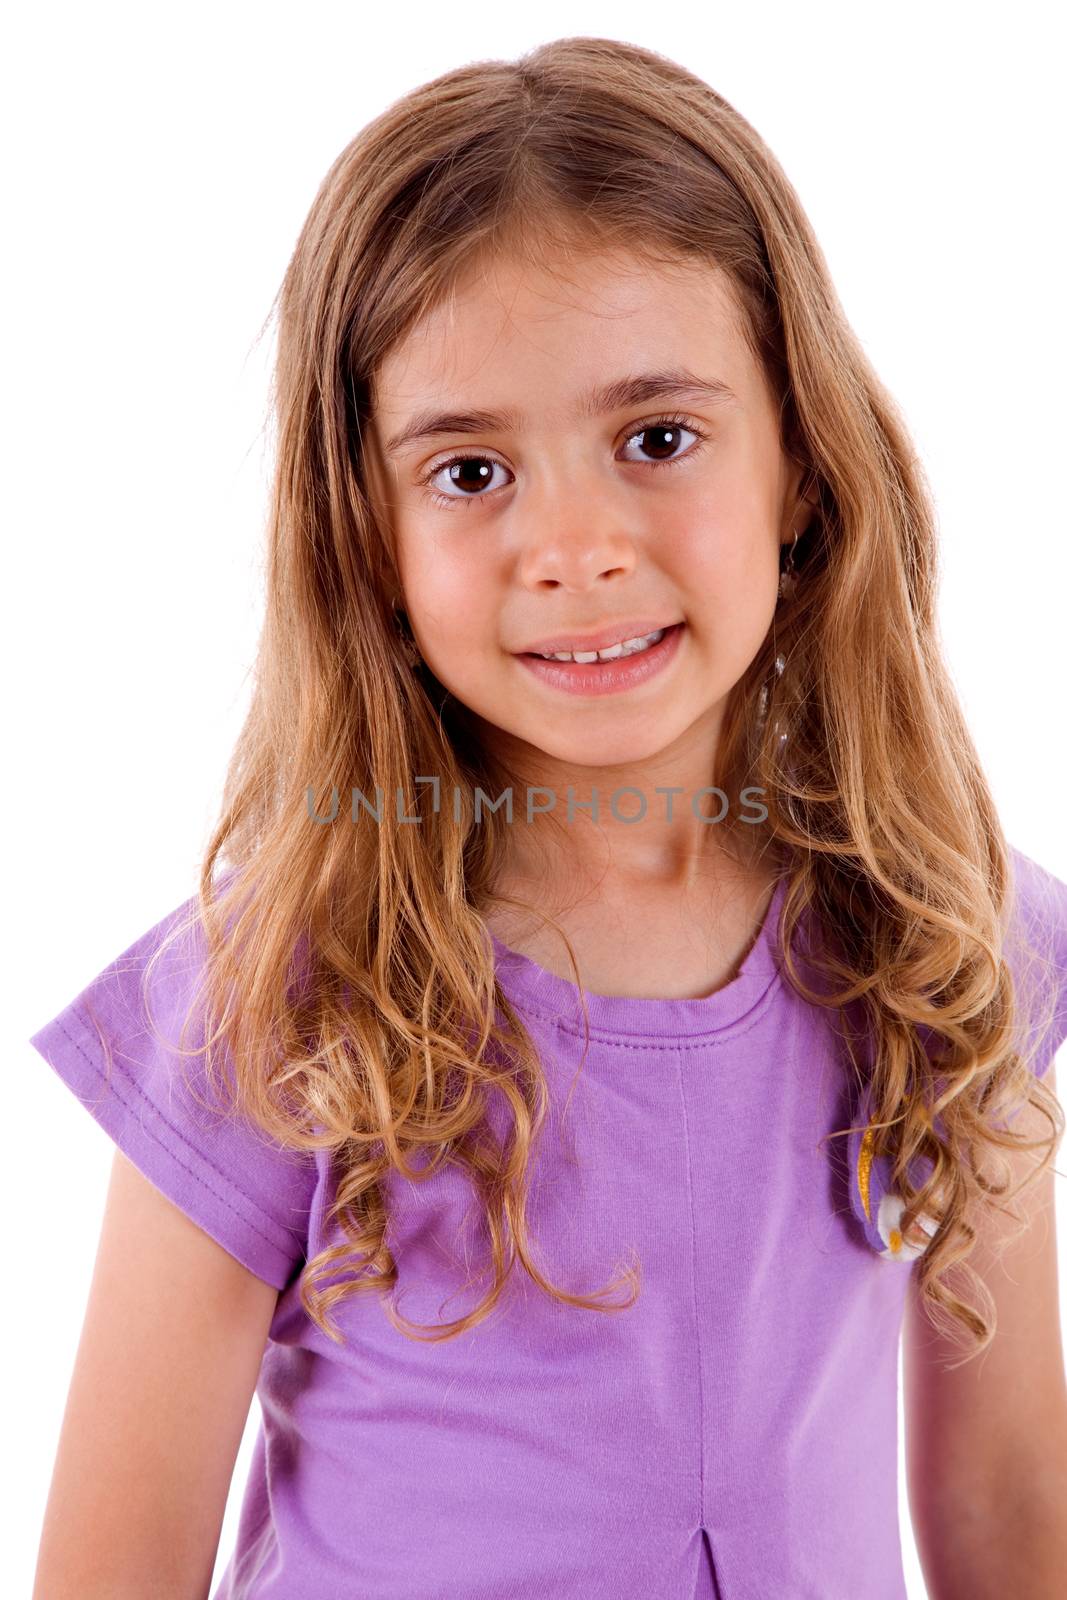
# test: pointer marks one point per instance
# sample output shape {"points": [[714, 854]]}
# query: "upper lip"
{"points": [[612, 633]]}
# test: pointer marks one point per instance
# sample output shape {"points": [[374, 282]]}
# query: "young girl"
{"points": [[610, 1011]]}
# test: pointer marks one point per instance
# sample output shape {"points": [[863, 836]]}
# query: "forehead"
{"points": [[532, 336]]}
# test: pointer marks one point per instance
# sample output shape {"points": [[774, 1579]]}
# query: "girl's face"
{"points": [[533, 497]]}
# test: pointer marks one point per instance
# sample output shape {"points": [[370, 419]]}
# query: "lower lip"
{"points": [[608, 677]]}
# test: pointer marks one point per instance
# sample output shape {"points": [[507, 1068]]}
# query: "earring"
{"points": [[787, 583], [787, 578], [764, 699], [403, 632]]}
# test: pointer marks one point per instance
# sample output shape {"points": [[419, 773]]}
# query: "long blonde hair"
{"points": [[351, 975]]}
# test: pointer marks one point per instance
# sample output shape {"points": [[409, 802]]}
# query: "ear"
{"points": [[802, 500]]}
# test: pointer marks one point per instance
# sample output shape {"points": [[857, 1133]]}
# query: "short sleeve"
{"points": [[1035, 949], [116, 1046]]}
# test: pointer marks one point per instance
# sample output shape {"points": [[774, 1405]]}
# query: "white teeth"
{"points": [[626, 647]]}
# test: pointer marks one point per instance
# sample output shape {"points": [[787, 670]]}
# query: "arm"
{"points": [[986, 1445], [167, 1364]]}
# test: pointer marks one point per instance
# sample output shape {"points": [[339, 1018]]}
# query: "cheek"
{"points": [[451, 591], [725, 561]]}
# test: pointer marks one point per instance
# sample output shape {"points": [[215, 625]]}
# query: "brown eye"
{"points": [[469, 476], [470, 472], [661, 442]]}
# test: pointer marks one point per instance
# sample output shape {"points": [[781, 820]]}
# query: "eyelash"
{"points": [[676, 419]]}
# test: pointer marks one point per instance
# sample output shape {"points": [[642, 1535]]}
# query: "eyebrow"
{"points": [[637, 390]]}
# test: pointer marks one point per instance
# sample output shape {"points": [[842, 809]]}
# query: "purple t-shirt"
{"points": [[732, 1434]]}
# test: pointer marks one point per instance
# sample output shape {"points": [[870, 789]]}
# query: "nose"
{"points": [[574, 546]]}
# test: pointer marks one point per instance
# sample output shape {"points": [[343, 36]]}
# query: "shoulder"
{"points": [[1035, 948], [129, 1045], [1037, 899]]}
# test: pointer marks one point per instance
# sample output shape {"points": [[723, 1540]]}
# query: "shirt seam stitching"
{"points": [[726, 1034], [121, 1076], [701, 1423]]}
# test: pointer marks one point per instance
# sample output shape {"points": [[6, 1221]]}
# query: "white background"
{"points": [[158, 166]]}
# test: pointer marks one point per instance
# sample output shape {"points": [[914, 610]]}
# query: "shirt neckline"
{"points": [[646, 1016]]}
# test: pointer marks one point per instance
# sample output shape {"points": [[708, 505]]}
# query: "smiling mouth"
{"points": [[615, 652]]}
